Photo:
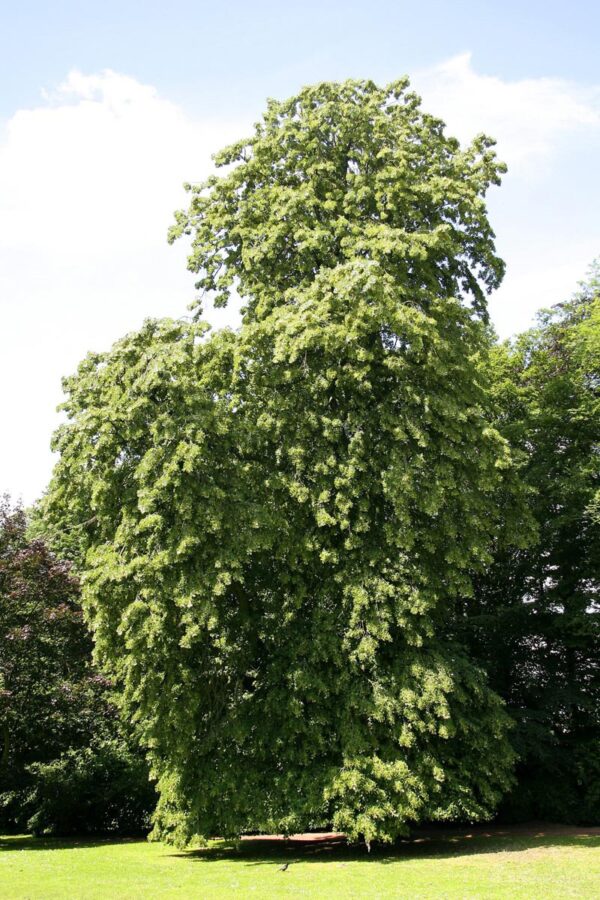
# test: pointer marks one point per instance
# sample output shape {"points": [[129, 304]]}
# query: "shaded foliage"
{"points": [[537, 626], [99, 789]]}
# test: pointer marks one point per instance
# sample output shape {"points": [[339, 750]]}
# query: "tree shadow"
{"points": [[432, 844], [29, 842]]}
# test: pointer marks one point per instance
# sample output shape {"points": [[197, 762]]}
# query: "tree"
{"points": [[52, 700], [275, 524], [536, 625], [45, 648]]}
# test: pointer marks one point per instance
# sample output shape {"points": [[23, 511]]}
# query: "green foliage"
{"points": [[99, 789], [537, 622], [274, 526], [339, 173]]}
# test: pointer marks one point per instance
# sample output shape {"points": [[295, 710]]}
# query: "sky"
{"points": [[106, 108]]}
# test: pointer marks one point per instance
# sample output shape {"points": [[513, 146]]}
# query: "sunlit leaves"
{"points": [[274, 525]]}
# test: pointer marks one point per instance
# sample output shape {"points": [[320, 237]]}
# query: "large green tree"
{"points": [[275, 524], [536, 622]]}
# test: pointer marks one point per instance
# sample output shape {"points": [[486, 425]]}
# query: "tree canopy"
{"points": [[340, 173], [45, 651], [66, 764], [536, 623], [274, 525]]}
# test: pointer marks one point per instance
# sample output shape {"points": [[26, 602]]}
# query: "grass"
{"points": [[540, 862]]}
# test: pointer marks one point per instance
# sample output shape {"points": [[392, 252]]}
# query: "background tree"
{"points": [[54, 702], [537, 627], [275, 524], [44, 652]]}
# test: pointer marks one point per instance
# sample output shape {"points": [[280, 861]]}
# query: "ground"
{"points": [[537, 862]]}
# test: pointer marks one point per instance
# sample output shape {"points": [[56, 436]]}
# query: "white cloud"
{"points": [[529, 118], [90, 177], [540, 281], [99, 167], [548, 132], [88, 184]]}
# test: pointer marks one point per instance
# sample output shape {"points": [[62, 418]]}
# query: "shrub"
{"points": [[102, 789]]}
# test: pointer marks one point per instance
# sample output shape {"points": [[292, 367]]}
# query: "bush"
{"points": [[102, 789], [565, 789]]}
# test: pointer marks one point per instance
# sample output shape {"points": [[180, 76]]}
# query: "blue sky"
{"points": [[207, 55], [106, 108]]}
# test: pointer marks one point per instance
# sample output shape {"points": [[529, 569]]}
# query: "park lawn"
{"points": [[538, 863]]}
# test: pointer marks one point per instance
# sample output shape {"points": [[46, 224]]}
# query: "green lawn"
{"points": [[540, 864]]}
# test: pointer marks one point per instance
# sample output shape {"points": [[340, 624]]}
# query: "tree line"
{"points": [[340, 566]]}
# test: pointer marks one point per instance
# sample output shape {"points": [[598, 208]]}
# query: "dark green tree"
{"points": [[537, 622], [275, 524]]}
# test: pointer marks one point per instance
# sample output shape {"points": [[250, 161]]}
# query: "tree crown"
{"points": [[343, 172]]}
